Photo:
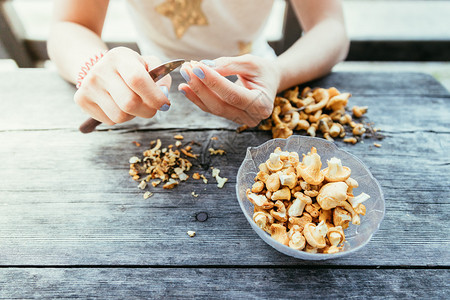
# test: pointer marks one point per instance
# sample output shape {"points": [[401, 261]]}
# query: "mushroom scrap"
{"points": [[302, 205], [313, 111]]}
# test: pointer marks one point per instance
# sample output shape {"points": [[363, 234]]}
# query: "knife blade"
{"points": [[156, 74]]}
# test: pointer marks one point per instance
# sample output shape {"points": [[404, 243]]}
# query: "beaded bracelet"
{"points": [[87, 67]]}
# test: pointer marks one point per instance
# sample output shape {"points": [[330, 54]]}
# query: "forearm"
{"points": [[70, 45], [314, 54]]}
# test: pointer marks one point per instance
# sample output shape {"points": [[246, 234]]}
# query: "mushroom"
{"points": [[300, 221], [313, 210], [351, 140], [338, 102], [341, 217], [262, 176], [310, 249], [332, 194], [314, 118], [288, 180], [332, 91], [335, 235], [263, 219], [311, 193], [355, 201], [302, 125], [352, 183], [273, 182], [358, 129], [326, 216], [280, 213], [263, 167], [345, 119], [355, 217], [293, 158], [259, 200], [296, 239], [358, 111], [336, 129], [295, 118], [309, 169], [282, 194], [257, 187], [327, 136], [315, 235], [274, 163], [322, 97], [298, 205], [279, 234], [331, 250], [312, 130], [335, 171]]}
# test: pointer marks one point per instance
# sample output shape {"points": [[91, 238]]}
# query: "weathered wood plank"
{"points": [[66, 198], [201, 283], [40, 99]]}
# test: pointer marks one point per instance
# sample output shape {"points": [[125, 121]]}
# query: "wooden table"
{"points": [[73, 223]]}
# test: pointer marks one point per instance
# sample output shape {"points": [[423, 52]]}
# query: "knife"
{"points": [[156, 74]]}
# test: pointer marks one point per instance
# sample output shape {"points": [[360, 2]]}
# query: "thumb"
{"points": [[238, 65], [152, 62]]}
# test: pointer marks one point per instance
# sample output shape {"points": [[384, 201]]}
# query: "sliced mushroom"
{"points": [[335, 171], [273, 182], [296, 239], [259, 200], [280, 213], [341, 217], [263, 219], [274, 163], [282, 194], [309, 169], [279, 234], [315, 235], [335, 235], [332, 194], [298, 205]]}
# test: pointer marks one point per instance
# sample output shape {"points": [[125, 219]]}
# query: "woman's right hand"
{"points": [[119, 88]]}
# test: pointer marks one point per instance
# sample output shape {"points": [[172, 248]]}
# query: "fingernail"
{"points": [[165, 90], [198, 72], [185, 75], [183, 92], [208, 62], [165, 107]]}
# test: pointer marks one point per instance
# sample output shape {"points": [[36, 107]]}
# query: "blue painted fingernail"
{"points": [[208, 62], [165, 90], [185, 75], [183, 92], [198, 72], [165, 107]]}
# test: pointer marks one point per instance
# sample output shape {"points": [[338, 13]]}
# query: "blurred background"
{"points": [[386, 35]]}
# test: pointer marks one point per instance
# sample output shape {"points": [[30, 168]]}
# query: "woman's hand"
{"points": [[119, 88], [247, 101]]}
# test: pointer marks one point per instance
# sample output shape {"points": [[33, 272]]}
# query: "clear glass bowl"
{"points": [[356, 235]]}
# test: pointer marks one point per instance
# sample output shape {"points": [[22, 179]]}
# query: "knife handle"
{"points": [[89, 125]]}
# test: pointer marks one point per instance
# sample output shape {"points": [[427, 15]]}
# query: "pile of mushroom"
{"points": [[314, 110], [304, 206]]}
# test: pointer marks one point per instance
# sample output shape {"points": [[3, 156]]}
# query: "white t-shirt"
{"points": [[201, 29]]}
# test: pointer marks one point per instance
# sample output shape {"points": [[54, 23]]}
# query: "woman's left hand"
{"points": [[247, 101]]}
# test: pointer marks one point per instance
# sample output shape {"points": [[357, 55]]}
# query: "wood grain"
{"points": [[229, 283]]}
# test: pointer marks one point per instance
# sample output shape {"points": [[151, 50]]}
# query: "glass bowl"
{"points": [[357, 236]]}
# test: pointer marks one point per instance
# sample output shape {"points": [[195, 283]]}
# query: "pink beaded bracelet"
{"points": [[87, 67]]}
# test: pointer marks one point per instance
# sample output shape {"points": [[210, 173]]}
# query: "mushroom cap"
{"points": [[315, 235], [280, 214], [282, 194], [259, 200], [279, 234], [309, 169], [335, 171], [297, 207], [273, 182], [336, 235], [297, 241], [338, 102], [332, 194], [341, 217], [274, 163]]}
